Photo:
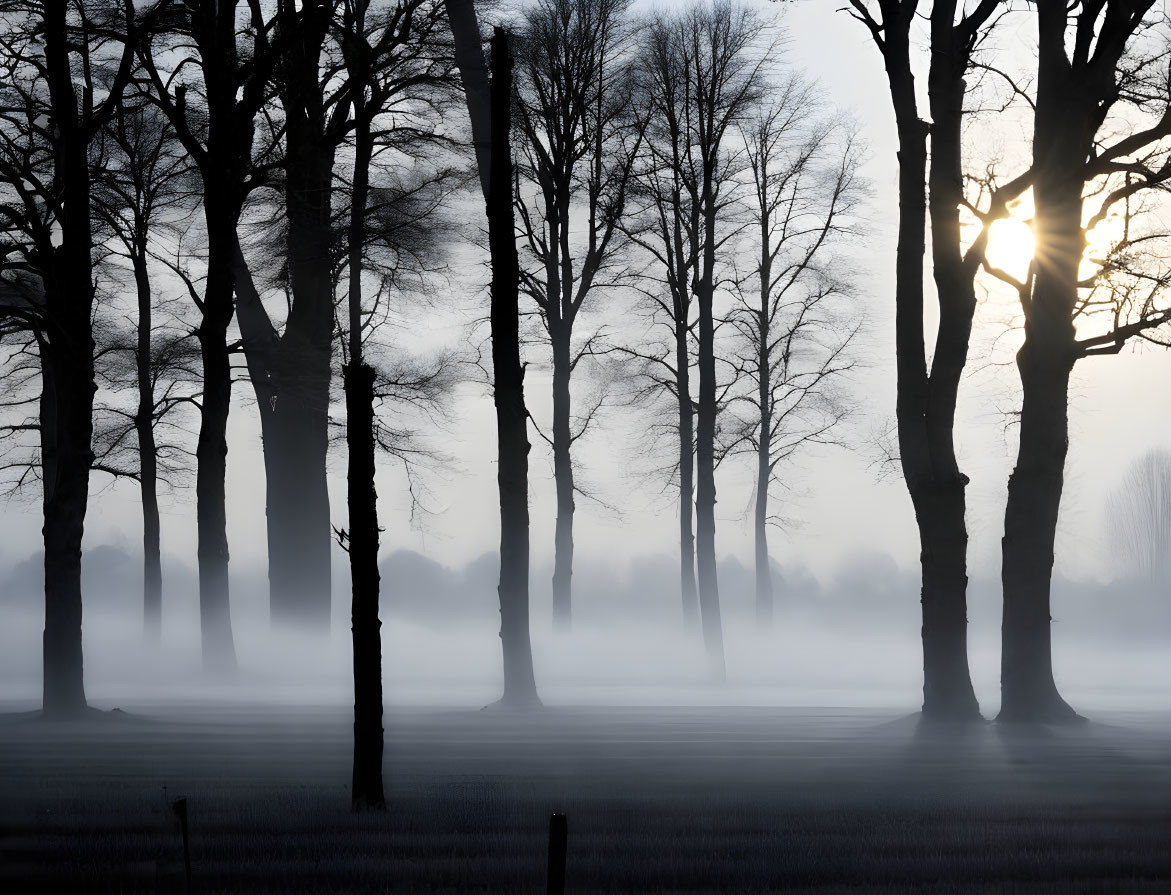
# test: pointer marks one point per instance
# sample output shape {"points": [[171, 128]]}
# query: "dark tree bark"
{"points": [[520, 687], [290, 372], [688, 585], [1065, 122], [219, 140], [211, 450], [764, 466], [491, 125], [367, 790], [67, 349], [144, 423], [563, 479], [926, 402], [705, 437]]}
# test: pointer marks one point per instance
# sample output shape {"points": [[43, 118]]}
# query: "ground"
{"points": [[658, 800]]}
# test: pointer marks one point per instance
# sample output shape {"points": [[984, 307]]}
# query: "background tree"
{"points": [[705, 71], [140, 185], [1138, 515], [65, 67], [489, 102], [793, 338], [579, 143], [214, 116]]}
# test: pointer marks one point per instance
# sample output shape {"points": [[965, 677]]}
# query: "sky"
{"points": [[843, 501]]}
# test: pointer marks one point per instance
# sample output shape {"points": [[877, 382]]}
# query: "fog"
{"points": [[850, 640]]}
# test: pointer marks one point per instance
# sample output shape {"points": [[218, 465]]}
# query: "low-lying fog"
{"points": [[850, 641]]}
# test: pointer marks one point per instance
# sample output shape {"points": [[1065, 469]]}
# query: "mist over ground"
{"points": [[849, 641]]}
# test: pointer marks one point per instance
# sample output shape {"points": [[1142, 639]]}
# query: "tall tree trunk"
{"points": [[764, 373], [1064, 126], [925, 407], [366, 627], [705, 458], [67, 423], [1028, 691], [152, 574], [68, 385], [563, 477], [687, 581], [940, 501], [297, 364], [211, 451], [764, 573], [520, 688]]}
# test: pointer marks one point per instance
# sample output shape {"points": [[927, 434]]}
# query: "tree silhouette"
{"points": [[1101, 73], [65, 67], [793, 341], [580, 140], [489, 104]]}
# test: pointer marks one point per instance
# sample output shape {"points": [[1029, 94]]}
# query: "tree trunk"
{"points": [[297, 504], [152, 574], [764, 373], [520, 688], [764, 573], [1028, 691], [940, 489], [925, 407], [68, 386], [563, 477], [297, 365], [67, 423], [1065, 121], [705, 459], [687, 581], [367, 790], [211, 451]]}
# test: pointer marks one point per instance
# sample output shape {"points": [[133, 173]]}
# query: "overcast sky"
{"points": [[1119, 411]]}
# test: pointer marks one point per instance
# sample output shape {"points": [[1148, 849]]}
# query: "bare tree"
{"points": [[489, 102], [1101, 140], [793, 338], [580, 140], [140, 178], [229, 63], [928, 395], [64, 68], [705, 69], [1138, 515]]}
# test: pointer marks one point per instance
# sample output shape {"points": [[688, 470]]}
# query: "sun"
{"points": [[1011, 246]]}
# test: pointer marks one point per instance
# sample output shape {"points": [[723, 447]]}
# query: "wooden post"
{"points": [[180, 809], [558, 839]]}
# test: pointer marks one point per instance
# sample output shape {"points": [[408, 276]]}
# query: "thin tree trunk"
{"points": [[211, 451], [563, 477], [152, 575], [764, 372], [688, 585], [520, 688], [367, 790], [705, 492], [764, 574]]}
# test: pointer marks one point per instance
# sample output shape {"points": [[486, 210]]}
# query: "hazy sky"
{"points": [[1118, 411]]}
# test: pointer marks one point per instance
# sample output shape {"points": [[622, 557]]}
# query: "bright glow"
{"points": [[1011, 246]]}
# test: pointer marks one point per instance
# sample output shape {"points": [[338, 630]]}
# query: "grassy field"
{"points": [[658, 800]]}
